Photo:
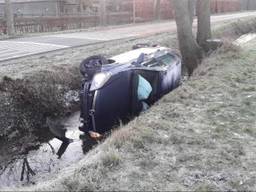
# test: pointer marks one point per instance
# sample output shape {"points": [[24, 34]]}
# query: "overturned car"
{"points": [[124, 85]]}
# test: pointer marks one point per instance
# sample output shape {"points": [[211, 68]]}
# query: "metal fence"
{"points": [[50, 24]]}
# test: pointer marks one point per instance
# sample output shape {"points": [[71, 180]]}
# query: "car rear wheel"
{"points": [[91, 65]]}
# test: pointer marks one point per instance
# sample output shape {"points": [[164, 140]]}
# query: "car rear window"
{"points": [[162, 61], [166, 59]]}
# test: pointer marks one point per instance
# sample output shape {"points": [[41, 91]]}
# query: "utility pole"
{"points": [[9, 18], [103, 15]]}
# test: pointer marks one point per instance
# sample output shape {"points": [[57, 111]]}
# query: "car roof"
{"points": [[134, 54]]}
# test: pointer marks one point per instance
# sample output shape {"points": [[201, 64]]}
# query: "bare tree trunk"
{"points": [[204, 22], [9, 18], [157, 9], [190, 50], [192, 8], [102, 12]]}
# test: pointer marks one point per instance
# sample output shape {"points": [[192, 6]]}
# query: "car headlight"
{"points": [[99, 80]]}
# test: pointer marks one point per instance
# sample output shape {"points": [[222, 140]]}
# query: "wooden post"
{"points": [[157, 9], [102, 12], [9, 18], [81, 7], [134, 11], [57, 9]]}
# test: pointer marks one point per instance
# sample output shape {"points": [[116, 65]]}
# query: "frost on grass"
{"points": [[237, 28], [44, 86], [47, 85], [200, 137]]}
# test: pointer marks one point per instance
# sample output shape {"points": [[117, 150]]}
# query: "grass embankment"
{"points": [[235, 29], [200, 137], [35, 87]]}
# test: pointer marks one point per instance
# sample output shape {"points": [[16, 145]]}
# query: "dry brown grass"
{"points": [[202, 133], [121, 136], [111, 159], [200, 137], [237, 28]]}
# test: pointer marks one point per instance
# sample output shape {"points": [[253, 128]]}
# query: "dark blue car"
{"points": [[121, 87]]}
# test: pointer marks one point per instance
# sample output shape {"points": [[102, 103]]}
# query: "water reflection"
{"points": [[51, 157]]}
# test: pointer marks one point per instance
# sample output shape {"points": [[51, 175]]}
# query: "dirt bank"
{"points": [[200, 137]]}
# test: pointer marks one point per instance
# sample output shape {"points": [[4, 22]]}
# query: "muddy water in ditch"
{"points": [[43, 164]]}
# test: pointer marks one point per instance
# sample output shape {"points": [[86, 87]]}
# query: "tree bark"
{"points": [[9, 18], [203, 22], [190, 50], [192, 8], [157, 9]]}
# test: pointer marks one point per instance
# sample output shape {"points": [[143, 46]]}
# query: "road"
{"points": [[26, 46]]}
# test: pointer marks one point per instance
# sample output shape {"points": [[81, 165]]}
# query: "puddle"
{"points": [[43, 164]]}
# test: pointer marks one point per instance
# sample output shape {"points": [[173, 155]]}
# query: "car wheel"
{"points": [[91, 64]]}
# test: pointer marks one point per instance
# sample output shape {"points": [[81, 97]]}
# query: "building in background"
{"points": [[29, 8], [54, 15], [144, 8], [39, 8]]}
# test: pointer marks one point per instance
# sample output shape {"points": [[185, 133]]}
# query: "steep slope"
{"points": [[200, 137]]}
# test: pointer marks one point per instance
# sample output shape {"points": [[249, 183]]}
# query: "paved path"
{"points": [[20, 47]]}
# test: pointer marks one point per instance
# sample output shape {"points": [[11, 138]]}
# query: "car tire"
{"points": [[85, 68]]}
